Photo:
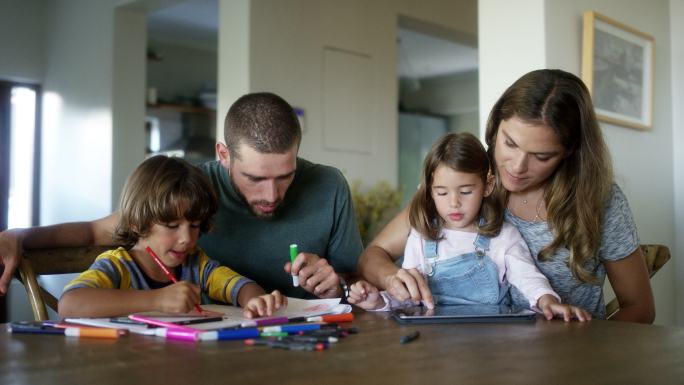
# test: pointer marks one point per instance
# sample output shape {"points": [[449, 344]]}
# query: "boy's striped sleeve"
{"points": [[220, 282]]}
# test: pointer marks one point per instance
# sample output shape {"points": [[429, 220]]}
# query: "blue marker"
{"points": [[29, 327], [292, 328], [230, 334]]}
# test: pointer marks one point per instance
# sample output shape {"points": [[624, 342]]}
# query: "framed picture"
{"points": [[617, 67]]}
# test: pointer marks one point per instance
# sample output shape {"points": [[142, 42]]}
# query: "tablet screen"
{"points": [[462, 313]]}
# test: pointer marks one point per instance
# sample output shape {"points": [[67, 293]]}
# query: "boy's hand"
{"points": [[550, 306], [264, 305], [180, 297], [365, 296]]}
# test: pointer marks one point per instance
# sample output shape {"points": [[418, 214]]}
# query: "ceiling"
{"points": [[195, 23]]}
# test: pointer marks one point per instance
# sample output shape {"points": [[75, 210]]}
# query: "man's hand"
{"points": [[315, 275], [10, 254], [409, 284]]}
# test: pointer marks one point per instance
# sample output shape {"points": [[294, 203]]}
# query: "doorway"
{"points": [[438, 93]]}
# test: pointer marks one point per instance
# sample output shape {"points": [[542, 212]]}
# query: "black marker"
{"points": [[409, 337]]}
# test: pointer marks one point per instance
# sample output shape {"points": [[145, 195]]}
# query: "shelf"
{"points": [[182, 108]]}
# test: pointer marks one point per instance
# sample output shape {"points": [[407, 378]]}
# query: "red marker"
{"points": [[346, 317], [167, 272]]}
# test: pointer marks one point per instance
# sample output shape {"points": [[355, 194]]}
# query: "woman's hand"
{"points": [[409, 284], [550, 306]]}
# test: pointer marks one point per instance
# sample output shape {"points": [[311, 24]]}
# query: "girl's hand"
{"points": [[180, 297], [264, 305], [365, 296], [550, 306]]}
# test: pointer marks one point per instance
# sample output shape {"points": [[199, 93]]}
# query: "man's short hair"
{"points": [[264, 121]]}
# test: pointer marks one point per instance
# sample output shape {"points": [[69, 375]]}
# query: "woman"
{"points": [[554, 177]]}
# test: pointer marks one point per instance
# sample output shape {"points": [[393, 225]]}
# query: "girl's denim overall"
{"points": [[466, 279]]}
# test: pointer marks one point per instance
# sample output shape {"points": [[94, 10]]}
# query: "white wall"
{"points": [[677, 67], [234, 49], [642, 160], [511, 43], [128, 95], [287, 39], [22, 35], [77, 121]]}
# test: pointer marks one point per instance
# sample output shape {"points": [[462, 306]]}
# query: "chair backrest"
{"points": [[63, 260], [656, 256]]}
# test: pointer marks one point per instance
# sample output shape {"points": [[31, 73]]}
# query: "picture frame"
{"points": [[618, 68]]}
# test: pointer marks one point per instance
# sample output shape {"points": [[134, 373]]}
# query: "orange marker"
{"points": [[92, 332]]}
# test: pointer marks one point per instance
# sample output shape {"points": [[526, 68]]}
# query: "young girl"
{"points": [[165, 205], [459, 242]]}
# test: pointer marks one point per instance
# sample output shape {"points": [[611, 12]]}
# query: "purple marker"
{"points": [[265, 322]]}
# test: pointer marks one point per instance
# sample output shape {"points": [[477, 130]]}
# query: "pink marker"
{"points": [[177, 334]]}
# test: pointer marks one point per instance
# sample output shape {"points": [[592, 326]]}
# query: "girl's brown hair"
{"points": [[163, 190], [464, 153], [581, 185]]}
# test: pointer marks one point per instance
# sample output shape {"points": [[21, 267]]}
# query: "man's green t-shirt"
{"points": [[316, 213]]}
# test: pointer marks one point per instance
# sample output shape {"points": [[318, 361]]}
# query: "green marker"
{"points": [[293, 255]]}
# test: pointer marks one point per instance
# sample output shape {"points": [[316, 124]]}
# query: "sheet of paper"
{"points": [[232, 315]]}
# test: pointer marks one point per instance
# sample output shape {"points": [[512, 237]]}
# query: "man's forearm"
{"points": [[73, 234]]}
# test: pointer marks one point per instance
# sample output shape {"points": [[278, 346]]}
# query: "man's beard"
{"points": [[253, 206]]}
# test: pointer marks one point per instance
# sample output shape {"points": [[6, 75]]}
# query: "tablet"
{"points": [[462, 314]]}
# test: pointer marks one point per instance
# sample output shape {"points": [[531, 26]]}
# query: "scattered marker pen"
{"points": [[177, 334], [296, 328], [265, 322], [345, 317], [91, 332], [293, 256], [231, 334], [409, 337]]}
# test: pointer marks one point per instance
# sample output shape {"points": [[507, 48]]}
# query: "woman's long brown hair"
{"points": [[578, 190]]}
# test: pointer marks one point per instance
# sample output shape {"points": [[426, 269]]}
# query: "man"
{"points": [[268, 199]]}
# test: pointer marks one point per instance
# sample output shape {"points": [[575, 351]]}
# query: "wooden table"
{"points": [[598, 352]]}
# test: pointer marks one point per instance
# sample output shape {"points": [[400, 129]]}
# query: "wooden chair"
{"points": [[656, 256], [49, 262]]}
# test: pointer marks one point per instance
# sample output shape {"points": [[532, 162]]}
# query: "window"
{"points": [[19, 154]]}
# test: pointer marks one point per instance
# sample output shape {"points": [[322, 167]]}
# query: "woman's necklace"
{"points": [[537, 215]]}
